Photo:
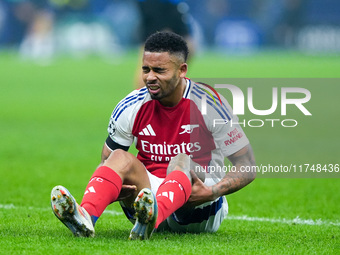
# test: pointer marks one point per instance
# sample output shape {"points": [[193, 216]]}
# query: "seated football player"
{"points": [[169, 184]]}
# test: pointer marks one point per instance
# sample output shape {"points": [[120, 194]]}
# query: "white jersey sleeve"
{"points": [[123, 116], [223, 124], [228, 134]]}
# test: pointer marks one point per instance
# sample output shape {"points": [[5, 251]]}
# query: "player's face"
{"points": [[163, 75]]}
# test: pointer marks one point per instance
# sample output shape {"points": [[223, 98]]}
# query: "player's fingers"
{"points": [[126, 191], [129, 187]]}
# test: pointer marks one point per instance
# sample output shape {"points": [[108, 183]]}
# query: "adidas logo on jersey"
{"points": [[147, 131]]}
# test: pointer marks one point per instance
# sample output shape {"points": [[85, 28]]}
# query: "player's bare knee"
{"points": [[120, 161], [180, 162], [119, 153]]}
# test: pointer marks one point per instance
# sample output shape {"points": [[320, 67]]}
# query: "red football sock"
{"points": [[172, 194], [102, 190]]}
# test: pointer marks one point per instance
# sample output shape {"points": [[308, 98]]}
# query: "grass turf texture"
{"points": [[53, 123]]}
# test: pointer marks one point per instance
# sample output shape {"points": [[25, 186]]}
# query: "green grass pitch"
{"points": [[53, 123]]}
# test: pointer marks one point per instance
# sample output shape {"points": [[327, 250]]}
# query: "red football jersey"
{"points": [[160, 132]]}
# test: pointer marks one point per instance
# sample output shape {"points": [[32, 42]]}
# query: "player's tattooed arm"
{"points": [[233, 181], [237, 179]]}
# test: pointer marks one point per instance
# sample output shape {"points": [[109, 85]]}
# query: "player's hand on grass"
{"points": [[200, 193], [127, 191]]}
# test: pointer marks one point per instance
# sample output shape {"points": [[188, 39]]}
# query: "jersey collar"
{"points": [[187, 88]]}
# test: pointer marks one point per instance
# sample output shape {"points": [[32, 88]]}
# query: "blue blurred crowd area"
{"points": [[39, 28]]}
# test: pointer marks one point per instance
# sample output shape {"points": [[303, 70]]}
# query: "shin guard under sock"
{"points": [[172, 194], [102, 190]]}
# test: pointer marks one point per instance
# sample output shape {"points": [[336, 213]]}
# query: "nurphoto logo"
{"points": [[294, 97]]}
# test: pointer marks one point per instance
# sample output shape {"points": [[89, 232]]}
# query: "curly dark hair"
{"points": [[167, 42]]}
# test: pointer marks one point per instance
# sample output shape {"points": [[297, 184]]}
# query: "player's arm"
{"points": [[232, 181], [242, 174], [108, 147]]}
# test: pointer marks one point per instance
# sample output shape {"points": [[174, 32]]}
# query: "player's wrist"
{"points": [[214, 192]]}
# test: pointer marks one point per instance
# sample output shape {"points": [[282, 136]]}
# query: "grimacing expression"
{"points": [[162, 73]]}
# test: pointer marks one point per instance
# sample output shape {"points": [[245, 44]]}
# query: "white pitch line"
{"points": [[8, 206], [114, 213], [13, 207], [297, 220]]}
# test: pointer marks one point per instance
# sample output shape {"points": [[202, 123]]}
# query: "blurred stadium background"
{"points": [[42, 29], [79, 60]]}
